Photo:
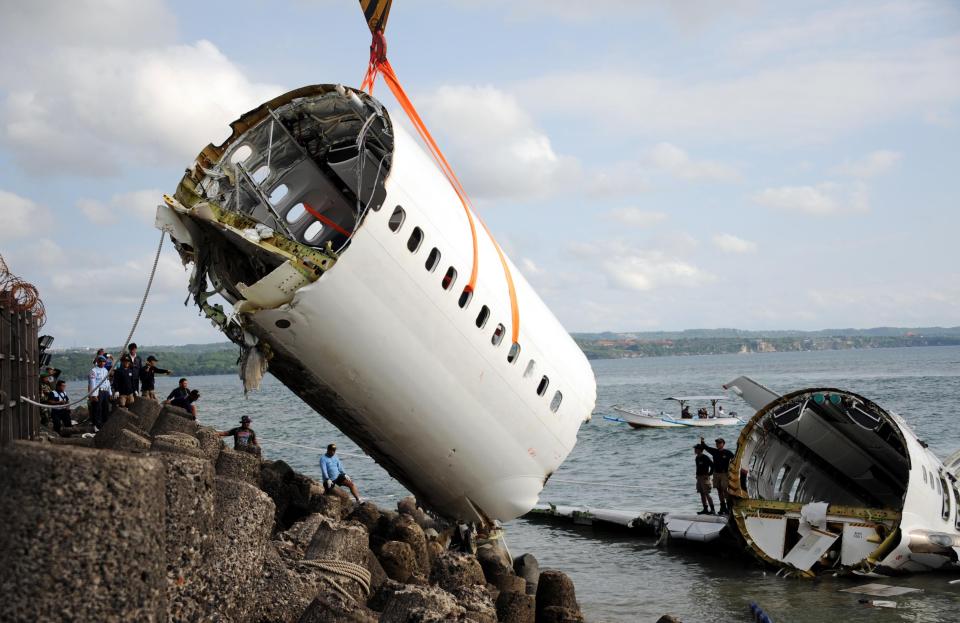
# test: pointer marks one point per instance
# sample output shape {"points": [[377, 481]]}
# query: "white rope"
{"points": [[343, 568], [136, 321], [297, 445]]}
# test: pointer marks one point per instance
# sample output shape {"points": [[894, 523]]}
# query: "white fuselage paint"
{"points": [[425, 389]]}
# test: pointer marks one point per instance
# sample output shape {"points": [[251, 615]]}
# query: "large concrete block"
{"points": [[82, 536], [452, 570], [147, 411], [112, 432], [241, 466], [177, 443], [210, 443], [555, 591], [174, 420], [427, 603]]}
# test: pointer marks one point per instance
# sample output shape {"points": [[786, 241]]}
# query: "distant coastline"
{"points": [[221, 357]]}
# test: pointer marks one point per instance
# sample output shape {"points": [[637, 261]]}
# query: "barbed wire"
{"points": [[19, 295]]}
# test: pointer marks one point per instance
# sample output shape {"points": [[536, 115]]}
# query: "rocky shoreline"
{"points": [[154, 519]]}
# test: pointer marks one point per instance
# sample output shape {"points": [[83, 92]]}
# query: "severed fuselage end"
{"points": [[824, 479]]}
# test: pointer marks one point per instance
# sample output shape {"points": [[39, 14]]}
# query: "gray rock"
{"points": [[398, 561], [527, 567], [453, 570], [147, 412], [335, 540], [377, 574], [121, 419], [174, 420], [477, 603], [332, 607], [329, 505], [495, 563], [406, 530], [82, 535], [189, 524], [210, 443], [516, 607], [239, 466], [556, 590], [367, 514], [130, 441], [300, 535], [284, 589], [511, 584], [177, 443], [668, 618], [421, 603], [557, 614]]}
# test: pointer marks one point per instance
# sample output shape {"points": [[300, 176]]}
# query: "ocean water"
{"points": [[622, 578]]}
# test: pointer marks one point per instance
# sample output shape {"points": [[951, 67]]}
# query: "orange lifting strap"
{"points": [[379, 64]]}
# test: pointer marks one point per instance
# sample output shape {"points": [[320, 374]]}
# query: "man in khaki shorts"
{"points": [[721, 465], [704, 471]]}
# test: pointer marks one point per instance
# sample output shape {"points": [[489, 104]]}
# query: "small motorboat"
{"points": [[644, 418]]}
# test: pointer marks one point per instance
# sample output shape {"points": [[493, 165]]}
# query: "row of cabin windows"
{"points": [[449, 278], [939, 484]]}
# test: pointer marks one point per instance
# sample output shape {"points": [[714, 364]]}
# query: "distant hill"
{"points": [[743, 333], [183, 360]]}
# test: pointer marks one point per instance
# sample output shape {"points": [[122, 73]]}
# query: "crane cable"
{"points": [[380, 65], [136, 321]]}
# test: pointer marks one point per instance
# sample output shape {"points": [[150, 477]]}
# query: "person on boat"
{"points": [[721, 465], [685, 412], [333, 474], [720, 411], [704, 471]]}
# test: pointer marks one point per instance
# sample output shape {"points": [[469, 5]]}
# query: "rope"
{"points": [[297, 445], [348, 570], [136, 321]]}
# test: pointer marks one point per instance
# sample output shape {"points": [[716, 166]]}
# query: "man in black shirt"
{"points": [[721, 465], [125, 381], [61, 417], [182, 397], [704, 470], [148, 378]]}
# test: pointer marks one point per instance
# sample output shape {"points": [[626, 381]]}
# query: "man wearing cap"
{"points": [[704, 470], [125, 381], [148, 375], [333, 473], [137, 364], [98, 388], [243, 436], [721, 465]]}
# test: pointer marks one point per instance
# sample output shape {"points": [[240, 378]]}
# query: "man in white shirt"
{"points": [[98, 388]]}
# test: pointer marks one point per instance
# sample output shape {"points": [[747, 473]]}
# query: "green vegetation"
{"points": [[188, 360]]}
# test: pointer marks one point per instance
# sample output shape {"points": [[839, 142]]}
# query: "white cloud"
{"points": [[823, 199], [94, 108], [140, 204], [871, 165], [629, 268], [497, 148], [728, 243], [635, 217], [106, 282], [21, 217], [677, 162], [95, 211], [530, 268]]}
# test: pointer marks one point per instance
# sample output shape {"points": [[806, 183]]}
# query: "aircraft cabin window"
{"points": [[449, 278], [294, 213], [498, 335], [956, 506], [261, 174], [542, 387], [415, 239], [924, 469], [945, 511], [432, 260], [531, 366], [241, 154], [483, 316], [313, 232], [514, 353], [396, 219], [278, 194], [555, 403], [465, 297]]}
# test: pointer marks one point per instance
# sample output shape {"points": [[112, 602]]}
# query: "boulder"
{"points": [[147, 412], [329, 505], [511, 584], [406, 530], [557, 614], [453, 570], [398, 561], [495, 563], [421, 603], [121, 419], [332, 607], [239, 466], [377, 574], [174, 420], [408, 506], [292, 493], [384, 593], [516, 607], [365, 513], [130, 441], [555, 590], [344, 542], [477, 603], [527, 567], [189, 524], [239, 544], [210, 443], [177, 443], [83, 534], [300, 534], [284, 589], [434, 549]]}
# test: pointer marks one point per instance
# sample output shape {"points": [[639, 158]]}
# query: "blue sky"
{"points": [[648, 165]]}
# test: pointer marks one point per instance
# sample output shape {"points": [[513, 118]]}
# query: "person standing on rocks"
{"points": [[333, 474], [125, 381], [704, 470], [137, 364], [243, 436], [148, 375], [98, 388]]}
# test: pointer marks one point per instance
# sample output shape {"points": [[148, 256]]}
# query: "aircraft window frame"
{"points": [[261, 175], [556, 401], [395, 222], [433, 260], [483, 317], [241, 154], [781, 479], [530, 369], [276, 198], [498, 332], [415, 240], [514, 353], [307, 236], [543, 385], [924, 470], [956, 506], [449, 278], [298, 209], [465, 297], [945, 510]]}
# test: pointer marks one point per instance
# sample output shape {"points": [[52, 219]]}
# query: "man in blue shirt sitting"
{"points": [[333, 473]]}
